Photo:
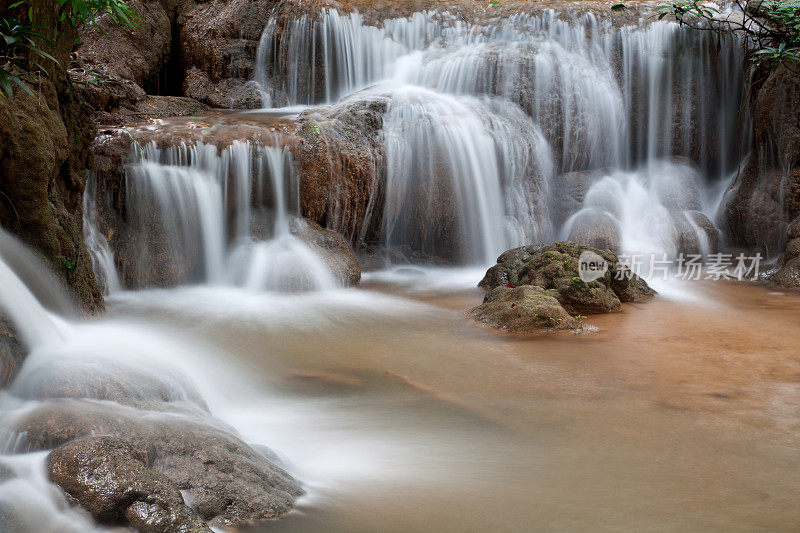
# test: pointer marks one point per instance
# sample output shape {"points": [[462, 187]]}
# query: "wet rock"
{"points": [[788, 277], [792, 250], [12, 352], [117, 65], [556, 267], [341, 160], [569, 190], [794, 230], [219, 40], [765, 197], [696, 233], [89, 380], [334, 251], [44, 156], [109, 478], [523, 309], [509, 265], [225, 480], [596, 229]]}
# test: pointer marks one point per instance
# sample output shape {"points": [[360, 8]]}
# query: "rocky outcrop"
{"points": [[765, 196], [218, 49], [555, 268], [341, 160], [44, 156], [115, 66], [523, 309], [109, 478]]}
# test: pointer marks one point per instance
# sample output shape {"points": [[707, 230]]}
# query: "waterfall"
{"points": [[618, 102], [18, 269], [99, 249], [465, 176], [221, 217]]}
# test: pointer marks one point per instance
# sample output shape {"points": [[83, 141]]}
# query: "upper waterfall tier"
{"points": [[603, 95]]}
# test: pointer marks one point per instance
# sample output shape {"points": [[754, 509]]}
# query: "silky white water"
{"points": [[606, 99], [224, 214]]}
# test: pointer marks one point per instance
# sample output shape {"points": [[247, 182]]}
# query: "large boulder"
{"points": [[595, 228], [556, 268], [118, 65], [523, 309], [226, 481], [109, 478], [341, 159], [331, 247]]}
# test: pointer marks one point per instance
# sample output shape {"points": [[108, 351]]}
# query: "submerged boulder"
{"points": [[553, 271], [332, 248], [111, 480], [523, 309]]}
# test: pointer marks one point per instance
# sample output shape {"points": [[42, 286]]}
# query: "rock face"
{"points": [[341, 160], [110, 479], [44, 155], [554, 270], [765, 196], [523, 309]]}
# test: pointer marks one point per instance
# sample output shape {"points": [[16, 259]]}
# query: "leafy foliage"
{"points": [[21, 45], [18, 49], [771, 26], [80, 12]]}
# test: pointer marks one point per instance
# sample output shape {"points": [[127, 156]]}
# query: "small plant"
{"points": [[618, 7], [494, 2], [69, 265], [771, 27], [581, 318], [315, 128], [17, 48]]}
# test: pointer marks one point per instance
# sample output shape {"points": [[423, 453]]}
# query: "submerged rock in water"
{"points": [[225, 480], [555, 268], [331, 247], [111, 480], [523, 309]]}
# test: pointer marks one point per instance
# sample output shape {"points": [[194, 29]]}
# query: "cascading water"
{"points": [[205, 207], [463, 170], [608, 100]]}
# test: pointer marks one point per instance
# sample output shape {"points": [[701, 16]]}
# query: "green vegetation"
{"points": [[771, 27], [22, 44]]}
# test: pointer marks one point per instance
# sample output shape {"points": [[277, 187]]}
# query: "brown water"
{"points": [[674, 416]]}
